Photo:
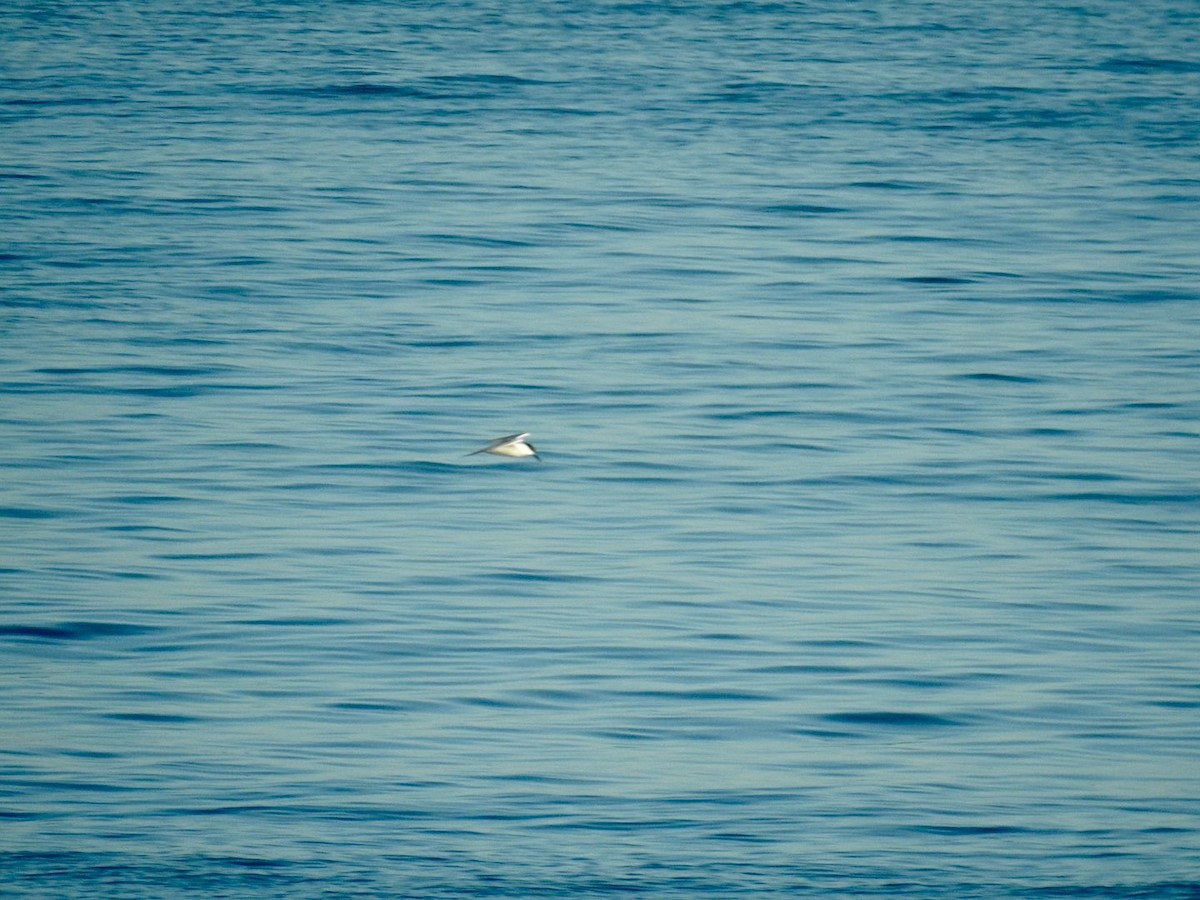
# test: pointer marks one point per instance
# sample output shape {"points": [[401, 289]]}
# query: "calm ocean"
{"points": [[861, 344]]}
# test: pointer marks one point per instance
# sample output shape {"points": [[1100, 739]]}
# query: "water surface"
{"points": [[859, 343]]}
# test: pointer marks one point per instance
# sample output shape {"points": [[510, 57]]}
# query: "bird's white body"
{"points": [[514, 445]]}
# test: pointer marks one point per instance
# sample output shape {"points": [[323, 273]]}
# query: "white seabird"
{"points": [[514, 445]]}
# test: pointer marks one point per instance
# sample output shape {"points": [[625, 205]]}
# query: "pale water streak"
{"points": [[859, 344]]}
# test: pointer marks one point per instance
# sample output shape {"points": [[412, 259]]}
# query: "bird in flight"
{"points": [[514, 445]]}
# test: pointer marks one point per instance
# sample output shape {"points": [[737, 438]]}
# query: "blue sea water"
{"points": [[860, 341]]}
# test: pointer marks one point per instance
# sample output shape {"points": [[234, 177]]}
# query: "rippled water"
{"points": [[859, 341]]}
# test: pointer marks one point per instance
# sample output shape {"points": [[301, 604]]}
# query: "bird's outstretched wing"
{"points": [[500, 442]]}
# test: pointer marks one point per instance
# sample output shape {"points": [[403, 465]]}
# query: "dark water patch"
{"points": [[75, 631], [148, 718], [475, 241], [1129, 498], [808, 669], [1148, 404], [802, 209], [79, 874], [937, 279], [426, 466], [739, 837], [134, 575], [479, 84], [968, 830], [723, 636], [630, 734], [1050, 432], [30, 512], [889, 719], [169, 392], [989, 274], [1155, 295], [556, 696], [538, 778], [1101, 297], [612, 227], [1144, 65], [165, 371], [92, 754], [924, 239], [379, 706], [301, 622], [918, 683], [750, 415], [646, 480], [1076, 476], [107, 103], [752, 91], [237, 446], [69, 785], [507, 269], [702, 695], [364, 89], [209, 204], [147, 499], [247, 862], [443, 343], [825, 733], [839, 644], [497, 703], [686, 273], [242, 261], [451, 281], [211, 557], [1176, 704], [885, 185], [998, 376], [531, 577]]}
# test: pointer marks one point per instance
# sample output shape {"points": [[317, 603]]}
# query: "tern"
{"points": [[514, 445]]}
